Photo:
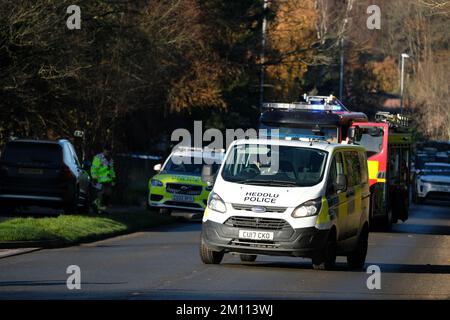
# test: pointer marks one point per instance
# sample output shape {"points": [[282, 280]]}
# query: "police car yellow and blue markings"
{"points": [[338, 206], [158, 183]]}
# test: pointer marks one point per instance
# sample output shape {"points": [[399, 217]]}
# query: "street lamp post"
{"points": [[262, 58], [341, 72], [404, 55]]}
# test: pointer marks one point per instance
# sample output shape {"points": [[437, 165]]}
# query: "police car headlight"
{"points": [[216, 203], [157, 183], [307, 209]]}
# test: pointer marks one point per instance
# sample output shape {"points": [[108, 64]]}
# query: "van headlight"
{"points": [[307, 209], [216, 203], [156, 183]]}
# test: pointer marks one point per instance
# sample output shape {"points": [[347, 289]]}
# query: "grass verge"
{"points": [[71, 229]]}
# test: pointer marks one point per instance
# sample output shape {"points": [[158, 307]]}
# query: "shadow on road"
{"points": [[46, 283], [421, 229], [414, 268], [436, 203], [342, 267]]}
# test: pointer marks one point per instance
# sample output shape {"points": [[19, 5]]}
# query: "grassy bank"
{"points": [[78, 228]]}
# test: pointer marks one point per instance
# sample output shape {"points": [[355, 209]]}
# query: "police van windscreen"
{"points": [[329, 132], [274, 165], [371, 138], [186, 166]]}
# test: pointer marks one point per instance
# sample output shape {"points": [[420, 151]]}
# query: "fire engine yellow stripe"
{"points": [[381, 180], [373, 169]]}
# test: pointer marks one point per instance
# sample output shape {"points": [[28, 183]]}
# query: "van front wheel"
{"points": [[357, 258], [326, 259], [209, 256]]}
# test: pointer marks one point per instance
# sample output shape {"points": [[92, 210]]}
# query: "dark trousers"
{"points": [[105, 194]]}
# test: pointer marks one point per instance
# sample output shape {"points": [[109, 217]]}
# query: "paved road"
{"points": [[164, 264]]}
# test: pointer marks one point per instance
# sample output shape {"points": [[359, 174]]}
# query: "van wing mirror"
{"points": [[341, 183], [157, 167], [207, 174]]}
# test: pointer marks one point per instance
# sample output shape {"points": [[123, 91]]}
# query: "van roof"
{"points": [[322, 145]]}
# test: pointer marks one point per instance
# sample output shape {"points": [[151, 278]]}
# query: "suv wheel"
{"points": [[357, 258], [85, 208], [72, 206], [209, 256], [326, 259]]}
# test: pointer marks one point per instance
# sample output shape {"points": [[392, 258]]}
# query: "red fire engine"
{"points": [[388, 145]]}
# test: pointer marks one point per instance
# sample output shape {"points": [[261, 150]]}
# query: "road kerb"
{"points": [[4, 253], [32, 244]]}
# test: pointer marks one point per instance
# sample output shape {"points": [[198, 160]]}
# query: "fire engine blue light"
{"points": [[321, 107], [292, 136]]}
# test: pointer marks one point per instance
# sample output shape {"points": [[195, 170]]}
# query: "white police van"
{"points": [[289, 198]]}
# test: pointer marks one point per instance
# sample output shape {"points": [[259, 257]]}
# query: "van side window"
{"points": [[337, 167], [353, 168]]}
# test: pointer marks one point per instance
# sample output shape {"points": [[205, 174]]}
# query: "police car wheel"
{"points": [[209, 256], [326, 259], [248, 257], [357, 258]]}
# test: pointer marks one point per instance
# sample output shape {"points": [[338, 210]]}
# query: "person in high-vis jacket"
{"points": [[104, 177]]}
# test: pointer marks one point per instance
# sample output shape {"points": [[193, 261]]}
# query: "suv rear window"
{"points": [[23, 152]]}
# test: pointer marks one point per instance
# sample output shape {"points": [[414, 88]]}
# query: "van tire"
{"points": [[248, 257], [209, 256], [326, 259], [357, 258]]}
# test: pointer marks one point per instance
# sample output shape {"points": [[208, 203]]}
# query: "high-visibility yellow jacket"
{"points": [[102, 169]]}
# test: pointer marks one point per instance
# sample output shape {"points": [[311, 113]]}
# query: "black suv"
{"points": [[43, 173]]}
